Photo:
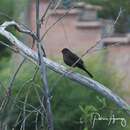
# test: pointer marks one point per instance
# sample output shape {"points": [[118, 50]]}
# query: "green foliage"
{"points": [[111, 9], [87, 115], [95, 2], [92, 112], [72, 103], [6, 9], [10, 10]]}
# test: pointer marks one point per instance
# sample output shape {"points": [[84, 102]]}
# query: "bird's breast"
{"points": [[68, 60]]}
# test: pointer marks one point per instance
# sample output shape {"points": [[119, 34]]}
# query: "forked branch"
{"points": [[81, 79]]}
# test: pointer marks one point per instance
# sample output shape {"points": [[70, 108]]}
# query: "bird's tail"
{"points": [[87, 72]]}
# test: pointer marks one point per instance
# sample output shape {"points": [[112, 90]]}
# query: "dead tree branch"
{"points": [[43, 70], [19, 28], [81, 79]]}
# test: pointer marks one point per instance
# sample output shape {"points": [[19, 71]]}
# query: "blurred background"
{"points": [[88, 22]]}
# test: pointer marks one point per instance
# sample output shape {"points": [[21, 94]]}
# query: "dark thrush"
{"points": [[73, 60]]}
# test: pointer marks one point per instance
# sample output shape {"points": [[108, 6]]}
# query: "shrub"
{"points": [[71, 102]]}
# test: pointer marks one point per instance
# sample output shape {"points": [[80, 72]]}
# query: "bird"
{"points": [[71, 59]]}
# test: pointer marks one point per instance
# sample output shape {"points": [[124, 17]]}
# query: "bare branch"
{"points": [[24, 110], [19, 28], [43, 71], [49, 5], [14, 77], [11, 48], [81, 79], [60, 18], [118, 16]]}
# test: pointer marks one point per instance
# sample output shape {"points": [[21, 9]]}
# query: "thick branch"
{"points": [[19, 28], [81, 79]]}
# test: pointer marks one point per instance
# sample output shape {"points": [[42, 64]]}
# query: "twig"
{"points": [[27, 116], [17, 119], [31, 106], [11, 48], [9, 91], [118, 16], [14, 77], [3, 104], [24, 110], [49, 5], [21, 88], [36, 121], [54, 24], [38, 96]]}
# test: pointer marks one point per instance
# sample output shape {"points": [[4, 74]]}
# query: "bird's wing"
{"points": [[74, 58]]}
